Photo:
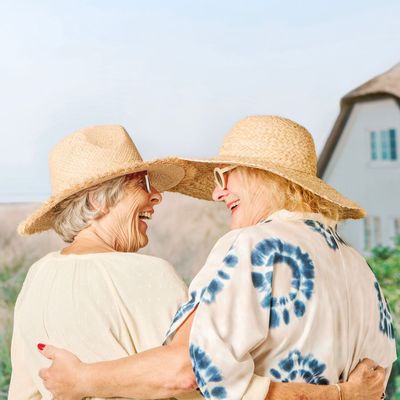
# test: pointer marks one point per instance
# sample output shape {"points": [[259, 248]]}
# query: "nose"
{"points": [[155, 196], [219, 194]]}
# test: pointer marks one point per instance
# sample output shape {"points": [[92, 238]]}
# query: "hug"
{"points": [[283, 307]]}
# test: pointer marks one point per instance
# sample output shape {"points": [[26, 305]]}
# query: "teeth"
{"points": [[145, 215], [236, 203]]}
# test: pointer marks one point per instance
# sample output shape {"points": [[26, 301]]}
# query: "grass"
{"points": [[12, 275], [5, 362]]}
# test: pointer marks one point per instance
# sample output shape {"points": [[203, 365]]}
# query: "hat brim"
{"points": [[199, 181], [165, 173]]}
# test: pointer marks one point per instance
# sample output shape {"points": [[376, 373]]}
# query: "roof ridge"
{"points": [[387, 82]]}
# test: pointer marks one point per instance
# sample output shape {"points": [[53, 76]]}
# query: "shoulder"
{"points": [[38, 267], [264, 230], [142, 268], [34, 273], [263, 240], [141, 263]]}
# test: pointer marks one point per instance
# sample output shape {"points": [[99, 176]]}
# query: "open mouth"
{"points": [[233, 205], [143, 215]]}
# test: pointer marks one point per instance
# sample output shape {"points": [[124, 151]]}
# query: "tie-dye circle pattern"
{"points": [[385, 319], [265, 255], [208, 376], [298, 368]]}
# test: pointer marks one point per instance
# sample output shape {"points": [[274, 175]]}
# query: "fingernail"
{"points": [[41, 346]]}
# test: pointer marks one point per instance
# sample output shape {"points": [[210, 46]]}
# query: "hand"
{"points": [[64, 377], [366, 382]]}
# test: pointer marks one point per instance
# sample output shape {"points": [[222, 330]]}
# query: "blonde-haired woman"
{"points": [[97, 296], [281, 298]]}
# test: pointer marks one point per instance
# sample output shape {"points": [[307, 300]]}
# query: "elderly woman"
{"points": [[97, 296], [281, 296]]}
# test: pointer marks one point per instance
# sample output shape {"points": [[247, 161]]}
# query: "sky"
{"points": [[177, 74]]}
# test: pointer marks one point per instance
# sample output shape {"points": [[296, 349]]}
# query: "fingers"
{"points": [[380, 370], [368, 363], [43, 373], [49, 351]]}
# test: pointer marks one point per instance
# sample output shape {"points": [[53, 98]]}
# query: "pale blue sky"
{"points": [[176, 74]]}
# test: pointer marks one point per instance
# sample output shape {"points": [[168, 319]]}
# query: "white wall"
{"points": [[374, 185]]}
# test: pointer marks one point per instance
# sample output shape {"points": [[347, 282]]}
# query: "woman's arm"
{"points": [[161, 372], [21, 386], [366, 382], [166, 371]]}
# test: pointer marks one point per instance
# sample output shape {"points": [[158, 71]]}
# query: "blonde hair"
{"points": [[286, 194], [75, 213]]}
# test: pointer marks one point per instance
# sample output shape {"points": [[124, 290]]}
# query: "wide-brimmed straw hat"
{"points": [[90, 157], [269, 143]]}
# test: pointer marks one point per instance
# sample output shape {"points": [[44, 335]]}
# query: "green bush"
{"points": [[385, 262], [5, 363], [11, 278]]}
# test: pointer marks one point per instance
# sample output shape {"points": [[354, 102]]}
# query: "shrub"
{"points": [[385, 262]]}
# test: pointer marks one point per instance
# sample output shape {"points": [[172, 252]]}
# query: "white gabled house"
{"points": [[361, 158]]}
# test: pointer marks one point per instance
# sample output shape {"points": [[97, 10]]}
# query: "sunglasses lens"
{"points": [[219, 178], [147, 183]]}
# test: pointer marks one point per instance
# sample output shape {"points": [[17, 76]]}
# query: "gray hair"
{"points": [[75, 213]]}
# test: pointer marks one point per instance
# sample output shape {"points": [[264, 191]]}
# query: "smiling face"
{"points": [[247, 196], [124, 226]]}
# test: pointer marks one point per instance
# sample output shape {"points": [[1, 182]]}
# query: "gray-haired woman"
{"points": [[282, 301], [97, 296]]}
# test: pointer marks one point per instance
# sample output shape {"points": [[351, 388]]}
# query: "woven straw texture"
{"points": [[92, 156], [273, 144]]}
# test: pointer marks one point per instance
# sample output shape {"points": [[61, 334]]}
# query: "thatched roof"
{"points": [[384, 85]]}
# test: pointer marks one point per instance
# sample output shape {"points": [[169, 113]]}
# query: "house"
{"points": [[361, 158]]}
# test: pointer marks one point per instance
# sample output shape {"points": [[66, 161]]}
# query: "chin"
{"points": [[144, 240]]}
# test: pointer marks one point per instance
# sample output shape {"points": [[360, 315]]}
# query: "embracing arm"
{"points": [[160, 372], [167, 371], [366, 382]]}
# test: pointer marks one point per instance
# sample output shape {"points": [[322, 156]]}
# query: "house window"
{"points": [[372, 232], [383, 145]]}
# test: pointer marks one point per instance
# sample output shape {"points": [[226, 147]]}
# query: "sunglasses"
{"points": [[147, 183], [146, 179], [220, 177]]}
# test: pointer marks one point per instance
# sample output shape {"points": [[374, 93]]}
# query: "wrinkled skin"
{"points": [[119, 227]]}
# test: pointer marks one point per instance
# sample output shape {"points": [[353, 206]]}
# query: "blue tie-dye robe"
{"points": [[286, 299]]}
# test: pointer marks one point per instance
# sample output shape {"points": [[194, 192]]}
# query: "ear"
{"points": [[95, 205]]}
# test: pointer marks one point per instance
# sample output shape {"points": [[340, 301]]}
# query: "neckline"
{"points": [[286, 215]]}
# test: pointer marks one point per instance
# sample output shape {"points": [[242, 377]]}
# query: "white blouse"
{"points": [[99, 306], [286, 299]]}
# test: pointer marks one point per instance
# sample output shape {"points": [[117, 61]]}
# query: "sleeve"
{"points": [[22, 387], [232, 320]]}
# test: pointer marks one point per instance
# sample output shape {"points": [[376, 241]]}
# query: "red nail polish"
{"points": [[41, 346]]}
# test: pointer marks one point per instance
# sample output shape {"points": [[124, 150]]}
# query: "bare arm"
{"points": [[166, 371], [161, 372], [366, 382]]}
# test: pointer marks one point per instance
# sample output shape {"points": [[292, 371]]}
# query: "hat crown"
{"points": [[90, 153], [271, 139]]}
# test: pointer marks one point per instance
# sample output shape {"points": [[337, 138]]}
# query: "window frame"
{"points": [[383, 146]]}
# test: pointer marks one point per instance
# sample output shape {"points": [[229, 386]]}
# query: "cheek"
{"points": [[134, 202]]}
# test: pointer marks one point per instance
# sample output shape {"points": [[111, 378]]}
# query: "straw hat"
{"points": [[92, 156], [273, 144]]}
